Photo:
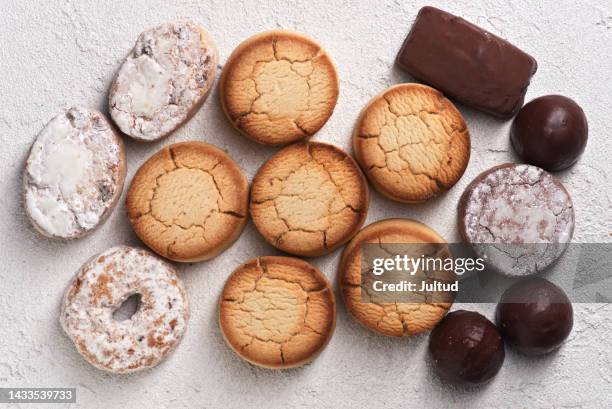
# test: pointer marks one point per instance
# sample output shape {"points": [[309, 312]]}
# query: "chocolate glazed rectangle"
{"points": [[467, 63]]}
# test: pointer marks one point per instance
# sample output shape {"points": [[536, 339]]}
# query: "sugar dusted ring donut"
{"points": [[97, 291]]}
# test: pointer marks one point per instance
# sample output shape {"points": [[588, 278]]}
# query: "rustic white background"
{"points": [[59, 53]]}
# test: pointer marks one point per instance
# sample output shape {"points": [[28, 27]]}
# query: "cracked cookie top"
{"points": [[392, 318], [519, 218], [412, 143], [74, 174], [278, 87], [188, 202], [309, 199], [164, 80], [277, 312]]}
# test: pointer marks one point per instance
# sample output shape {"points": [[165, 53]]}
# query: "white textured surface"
{"points": [[58, 54]]}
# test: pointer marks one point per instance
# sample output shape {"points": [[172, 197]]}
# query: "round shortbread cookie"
{"points": [[99, 289], [412, 143], [278, 87], [188, 202], [393, 318], [74, 174], [277, 312], [518, 218], [309, 199], [164, 80]]}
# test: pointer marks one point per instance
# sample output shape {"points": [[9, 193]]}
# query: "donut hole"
{"points": [[128, 308]]}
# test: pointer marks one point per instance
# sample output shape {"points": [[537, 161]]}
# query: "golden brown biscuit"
{"points": [[309, 199], [392, 319], [412, 143], [278, 87], [277, 312], [188, 202]]}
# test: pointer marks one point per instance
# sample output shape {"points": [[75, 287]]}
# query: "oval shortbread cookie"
{"points": [[188, 202], [309, 199], [518, 218], [277, 312], [412, 143], [164, 80], [278, 87], [74, 174], [392, 238], [99, 289]]}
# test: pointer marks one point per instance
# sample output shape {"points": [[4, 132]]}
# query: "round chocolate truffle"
{"points": [[466, 348], [550, 132], [535, 316]]}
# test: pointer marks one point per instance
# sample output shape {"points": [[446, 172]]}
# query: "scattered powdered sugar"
{"points": [[100, 288], [519, 218], [167, 74], [73, 174]]}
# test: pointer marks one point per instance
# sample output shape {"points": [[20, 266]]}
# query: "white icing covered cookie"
{"points": [[164, 80], [74, 174]]}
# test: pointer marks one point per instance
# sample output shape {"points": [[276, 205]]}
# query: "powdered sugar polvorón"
{"points": [[519, 217], [74, 174], [163, 80]]}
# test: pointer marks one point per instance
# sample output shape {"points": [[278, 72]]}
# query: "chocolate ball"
{"points": [[550, 132], [535, 316], [466, 348]]}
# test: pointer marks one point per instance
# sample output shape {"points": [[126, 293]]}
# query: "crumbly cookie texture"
{"points": [[188, 202], [278, 87], [164, 80], [74, 174], [412, 143], [392, 319], [99, 289], [309, 199], [519, 218], [277, 312]]}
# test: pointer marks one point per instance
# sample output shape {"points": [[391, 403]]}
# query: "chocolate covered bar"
{"points": [[466, 62]]}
